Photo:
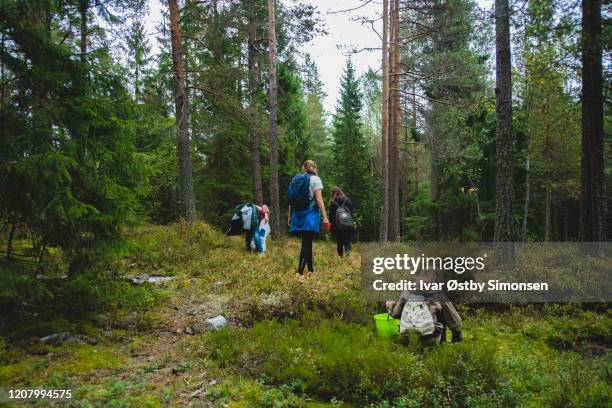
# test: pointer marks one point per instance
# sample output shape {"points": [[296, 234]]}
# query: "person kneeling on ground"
{"points": [[428, 315]]}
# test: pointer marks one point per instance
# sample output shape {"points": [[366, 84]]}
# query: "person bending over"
{"points": [[428, 314]]}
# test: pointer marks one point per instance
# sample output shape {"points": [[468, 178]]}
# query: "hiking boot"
{"points": [[457, 336]]}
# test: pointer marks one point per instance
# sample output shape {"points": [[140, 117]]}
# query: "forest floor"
{"points": [[289, 343]]}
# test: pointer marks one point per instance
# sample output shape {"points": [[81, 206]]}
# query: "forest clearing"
{"points": [[290, 344], [196, 197]]}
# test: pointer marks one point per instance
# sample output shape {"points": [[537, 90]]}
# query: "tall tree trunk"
{"points": [[2, 84], [405, 168], [253, 125], [504, 220], [565, 221], [390, 131], [186, 196], [547, 213], [435, 182], [527, 193], [83, 10], [593, 194], [274, 196], [415, 145], [415, 167], [384, 207], [9, 243], [394, 132]]}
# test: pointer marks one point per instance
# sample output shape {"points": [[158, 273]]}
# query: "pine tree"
{"points": [[186, 195]]}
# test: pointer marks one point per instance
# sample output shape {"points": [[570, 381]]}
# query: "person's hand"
{"points": [[289, 221], [389, 304], [325, 221]]}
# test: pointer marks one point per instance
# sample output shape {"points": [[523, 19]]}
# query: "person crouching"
{"points": [[428, 315]]}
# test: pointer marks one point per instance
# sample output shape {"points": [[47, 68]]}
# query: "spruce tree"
{"points": [[351, 156]]}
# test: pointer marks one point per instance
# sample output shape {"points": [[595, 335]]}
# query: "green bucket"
{"points": [[386, 325]]}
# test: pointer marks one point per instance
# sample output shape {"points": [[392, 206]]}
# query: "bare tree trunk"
{"points": [[390, 131], [547, 212], [527, 193], [415, 145], [405, 168], [593, 192], [274, 196], [504, 219], [83, 10], [415, 167], [9, 244], [394, 133], [186, 196], [384, 207], [2, 84], [253, 125], [434, 182], [565, 220], [415, 155]]}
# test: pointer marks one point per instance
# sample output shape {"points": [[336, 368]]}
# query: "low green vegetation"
{"points": [[336, 360], [289, 344]]}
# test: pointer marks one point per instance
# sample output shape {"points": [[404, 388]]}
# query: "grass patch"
{"points": [[334, 360]]}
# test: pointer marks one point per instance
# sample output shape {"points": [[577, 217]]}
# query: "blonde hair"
{"points": [[310, 166]]}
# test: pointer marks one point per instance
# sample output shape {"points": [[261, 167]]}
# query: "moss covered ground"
{"points": [[289, 343]]}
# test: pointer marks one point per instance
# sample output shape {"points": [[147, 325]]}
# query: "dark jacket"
{"points": [[334, 207]]}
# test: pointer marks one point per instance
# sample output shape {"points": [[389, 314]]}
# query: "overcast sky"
{"points": [[329, 52]]}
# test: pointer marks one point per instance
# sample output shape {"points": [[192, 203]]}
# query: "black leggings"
{"points": [[248, 237], [306, 252], [344, 244]]}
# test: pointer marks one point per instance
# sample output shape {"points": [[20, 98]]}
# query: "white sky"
{"points": [[327, 51]]}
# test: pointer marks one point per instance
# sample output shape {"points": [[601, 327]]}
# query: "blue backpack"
{"points": [[299, 192]]}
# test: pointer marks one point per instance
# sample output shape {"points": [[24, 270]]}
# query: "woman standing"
{"points": [[341, 233], [307, 221]]}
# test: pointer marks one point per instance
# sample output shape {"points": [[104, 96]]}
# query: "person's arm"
{"points": [[319, 199], [289, 216], [395, 308]]}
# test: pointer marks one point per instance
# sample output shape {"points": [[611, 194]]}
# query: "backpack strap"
{"points": [[311, 203]]}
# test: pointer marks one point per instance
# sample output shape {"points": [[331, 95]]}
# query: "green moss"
{"points": [[84, 359], [20, 372]]}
